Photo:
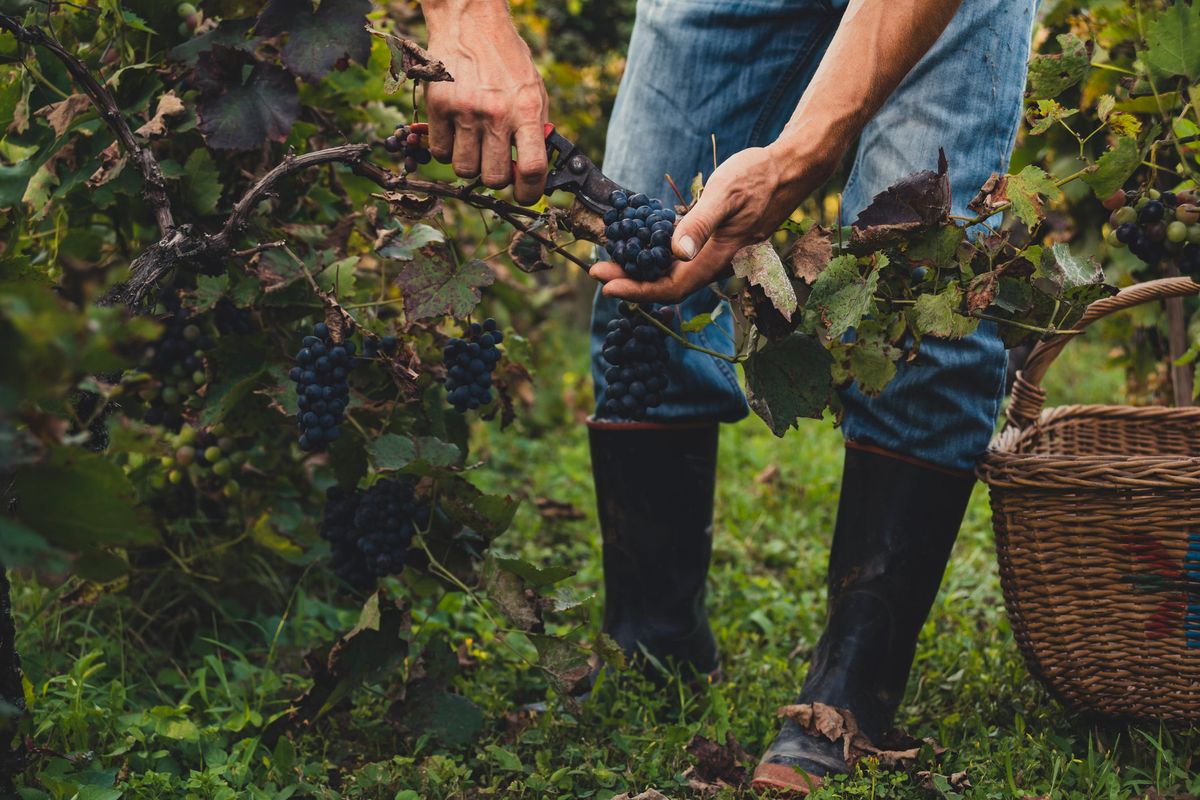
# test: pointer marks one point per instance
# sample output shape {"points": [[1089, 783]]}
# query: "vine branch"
{"points": [[156, 186]]}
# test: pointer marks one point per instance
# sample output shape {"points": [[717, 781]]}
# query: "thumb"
{"points": [[696, 226]]}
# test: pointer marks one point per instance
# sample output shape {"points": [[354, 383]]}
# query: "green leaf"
{"points": [[761, 265], [434, 286], [504, 759], [1046, 112], [78, 499], [842, 295], [202, 182], [393, 451], [450, 718], [405, 245], [696, 323], [487, 515], [229, 33], [208, 292], [937, 248], [1060, 270], [938, 315], [565, 663], [319, 37], [508, 592], [261, 109], [23, 547], [534, 576], [1114, 167], [870, 360], [338, 278], [788, 379], [1051, 75], [1025, 190], [13, 181], [1173, 41]]}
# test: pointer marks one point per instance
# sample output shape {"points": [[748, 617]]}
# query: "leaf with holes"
{"points": [[1114, 167], [435, 284], [843, 295], [1052, 74], [1173, 41]]}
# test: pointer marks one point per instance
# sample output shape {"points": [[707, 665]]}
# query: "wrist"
{"points": [[810, 148], [454, 18]]}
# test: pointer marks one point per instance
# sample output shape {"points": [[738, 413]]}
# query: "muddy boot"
{"points": [[896, 524], [654, 495]]}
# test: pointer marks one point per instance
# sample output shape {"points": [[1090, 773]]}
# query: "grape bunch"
{"points": [[636, 351], [204, 457], [638, 236], [370, 532], [1156, 226], [470, 363], [322, 391], [231, 320], [412, 146], [176, 362]]}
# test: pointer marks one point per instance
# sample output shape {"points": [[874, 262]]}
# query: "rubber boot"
{"points": [[896, 524], [654, 495]]}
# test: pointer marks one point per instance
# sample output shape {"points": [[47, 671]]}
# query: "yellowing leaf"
{"points": [[760, 264]]}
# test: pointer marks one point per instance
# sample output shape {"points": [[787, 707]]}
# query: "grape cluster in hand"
{"points": [[469, 366], [412, 147], [370, 532], [638, 236], [176, 361], [636, 351], [1156, 226], [321, 387]]}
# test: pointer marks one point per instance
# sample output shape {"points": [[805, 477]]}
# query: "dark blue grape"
{"points": [[470, 362], [635, 350], [319, 384]]}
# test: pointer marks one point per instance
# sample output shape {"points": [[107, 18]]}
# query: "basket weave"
{"points": [[1096, 511]]}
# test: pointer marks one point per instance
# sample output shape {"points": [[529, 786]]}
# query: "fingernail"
{"points": [[687, 246]]}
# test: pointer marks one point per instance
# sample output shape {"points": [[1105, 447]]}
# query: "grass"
{"points": [[184, 722]]}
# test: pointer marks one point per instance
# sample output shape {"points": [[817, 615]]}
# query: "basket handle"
{"points": [[1028, 396]]}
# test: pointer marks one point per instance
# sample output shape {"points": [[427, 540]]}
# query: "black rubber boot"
{"points": [[654, 494], [896, 524]]}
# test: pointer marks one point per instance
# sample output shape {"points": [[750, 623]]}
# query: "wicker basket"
{"points": [[1097, 517]]}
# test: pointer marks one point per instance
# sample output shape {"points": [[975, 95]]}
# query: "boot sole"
{"points": [[793, 781]]}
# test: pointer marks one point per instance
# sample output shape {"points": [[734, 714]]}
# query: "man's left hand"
{"points": [[743, 203]]}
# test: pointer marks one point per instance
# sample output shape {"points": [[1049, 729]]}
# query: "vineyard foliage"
{"points": [[188, 192]]}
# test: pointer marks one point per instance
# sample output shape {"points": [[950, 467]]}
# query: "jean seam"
{"points": [[781, 85]]}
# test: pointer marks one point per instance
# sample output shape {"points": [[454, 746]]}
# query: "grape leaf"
{"points": [[843, 295], [1046, 112], [761, 266], [393, 451], [78, 499], [1114, 167], [534, 576], [1173, 41], [810, 254], [60, 115], [937, 314], [1060, 270], [696, 323], [1052, 74], [260, 109], [209, 290], [434, 284], [507, 590], [409, 60], [404, 245], [565, 663], [1023, 191], [320, 40], [22, 547], [922, 200], [789, 379], [229, 33], [869, 360], [487, 515], [202, 182]]}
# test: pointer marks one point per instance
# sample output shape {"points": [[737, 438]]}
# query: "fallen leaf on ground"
{"points": [[557, 509]]}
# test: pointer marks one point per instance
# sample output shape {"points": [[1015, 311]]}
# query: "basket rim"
{"points": [[1005, 465]]}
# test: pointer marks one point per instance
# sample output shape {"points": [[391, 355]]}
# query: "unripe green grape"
{"points": [[212, 454], [185, 455], [166, 461], [175, 476], [1154, 194], [222, 467], [238, 457], [227, 444], [198, 377], [158, 481], [1194, 233], [185, 9], [1177, 232], [191, 333], [1112, 240], [170, 395], [231, 489], [187, 435], [1123, 215]]}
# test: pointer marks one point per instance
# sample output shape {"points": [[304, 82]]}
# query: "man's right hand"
{"points": [[496, 99]]}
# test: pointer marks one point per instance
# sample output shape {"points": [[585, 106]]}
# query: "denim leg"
{"points": [[699, 68], [965, 96]]}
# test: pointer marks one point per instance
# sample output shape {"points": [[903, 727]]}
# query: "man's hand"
{"points": [[743, 203], [495, 100]]}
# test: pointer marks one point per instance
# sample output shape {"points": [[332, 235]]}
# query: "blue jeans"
{"points": [[737, 69]]}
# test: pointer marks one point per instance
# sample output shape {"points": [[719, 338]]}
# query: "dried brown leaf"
{"points": [[168, 106], [649, 794], [810, 254], [919, 202], [112, 161], [719, 764], [557, 509], [992, 195], [60, 115]]}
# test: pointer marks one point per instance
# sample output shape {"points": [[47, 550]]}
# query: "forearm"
{"points": [[877, 43]]}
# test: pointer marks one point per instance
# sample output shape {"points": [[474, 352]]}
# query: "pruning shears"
{"points": [[572, 171]]}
